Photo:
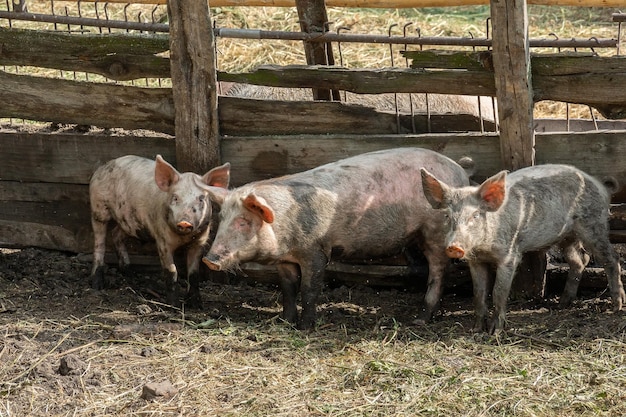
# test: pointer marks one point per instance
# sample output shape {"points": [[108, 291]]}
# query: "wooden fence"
{"points": [[44, 176]]}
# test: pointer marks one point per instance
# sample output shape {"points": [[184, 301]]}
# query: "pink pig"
{"points": [[151, 200], [363, 207]]}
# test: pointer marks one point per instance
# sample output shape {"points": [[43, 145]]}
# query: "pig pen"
{"points": [[66, 350]]}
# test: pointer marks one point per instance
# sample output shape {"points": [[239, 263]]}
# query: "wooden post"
{"points": [[313, 18], [194, 80], [511, 61]]}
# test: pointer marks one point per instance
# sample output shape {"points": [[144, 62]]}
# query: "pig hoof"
{"points": [[565, 301], [480, 326], [306, 324], [194, 301], [97, 279]]}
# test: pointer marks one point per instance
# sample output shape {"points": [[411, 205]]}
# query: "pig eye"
{"points": [[174, 198], [476, 215], [201, 198]]}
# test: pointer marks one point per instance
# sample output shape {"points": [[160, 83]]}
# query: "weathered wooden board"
{"points": [[368, 81], [116, 56], [254, 158], [43, 191], [70, 158], [85, 103], [242, 117], [111, 106]]}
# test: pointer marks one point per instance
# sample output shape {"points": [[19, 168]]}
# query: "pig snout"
{"points": [[212, 261], [455, 251], [184, 227]]}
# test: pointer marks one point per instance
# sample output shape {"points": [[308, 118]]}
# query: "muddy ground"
{"points": [[52, 325]]}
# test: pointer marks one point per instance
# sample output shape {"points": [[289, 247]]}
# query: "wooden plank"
{"points": [[600, 153], [194, 85], [582, 80], [368, 81], [117, 56], [56, 215], [24, 234], [70, 158], [267, 117], [463, 60], [103, 105], [254, 158]]}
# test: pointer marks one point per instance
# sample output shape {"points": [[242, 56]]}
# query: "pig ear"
{"points": [[218, 176], [165, 175], [434, 190], [492, 192], [216, 194], [259, 206]]}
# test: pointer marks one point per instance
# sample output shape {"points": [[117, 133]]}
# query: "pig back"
{"points": [[367, 205], [545, 203]]}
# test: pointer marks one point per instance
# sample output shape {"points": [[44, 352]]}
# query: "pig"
{"points": [[362, 207], [150, 199], [531, 209]]}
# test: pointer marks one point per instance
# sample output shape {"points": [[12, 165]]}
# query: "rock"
{"points": [[71, 365], [148, 351], [163, 389]]}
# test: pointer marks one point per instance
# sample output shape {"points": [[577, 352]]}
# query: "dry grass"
{"points": [[236, 358]]}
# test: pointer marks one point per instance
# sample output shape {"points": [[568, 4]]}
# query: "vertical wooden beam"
{"points": [[194, 80], [314, 19], [511, 61]]}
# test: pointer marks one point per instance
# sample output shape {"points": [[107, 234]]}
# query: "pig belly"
{"points": [[369, 244]]}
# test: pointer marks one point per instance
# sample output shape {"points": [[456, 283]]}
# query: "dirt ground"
{"points": [[68, 350]]}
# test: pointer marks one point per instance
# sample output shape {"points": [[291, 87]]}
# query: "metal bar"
{"points": [[312, 37], [72, 20], [400, 40]]}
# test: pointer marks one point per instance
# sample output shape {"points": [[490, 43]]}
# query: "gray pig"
{"points": [[362, 207], [528, 210], [151, 199]]}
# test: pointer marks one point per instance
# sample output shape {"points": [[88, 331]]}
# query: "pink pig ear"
{"points": [[492, 192], [259, 206], [165, 175], [218, 176]]}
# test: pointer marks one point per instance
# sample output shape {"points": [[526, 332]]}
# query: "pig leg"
{"points": [[501, 289], [99, 247], [601, 248], [577, 259], [119, 237], [480, 283], [193, 299], [289, 274], [437, 263], [170, 274], [311, 287]]}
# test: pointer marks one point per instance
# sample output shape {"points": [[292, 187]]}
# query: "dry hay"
{"points": [[236, 357]]}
